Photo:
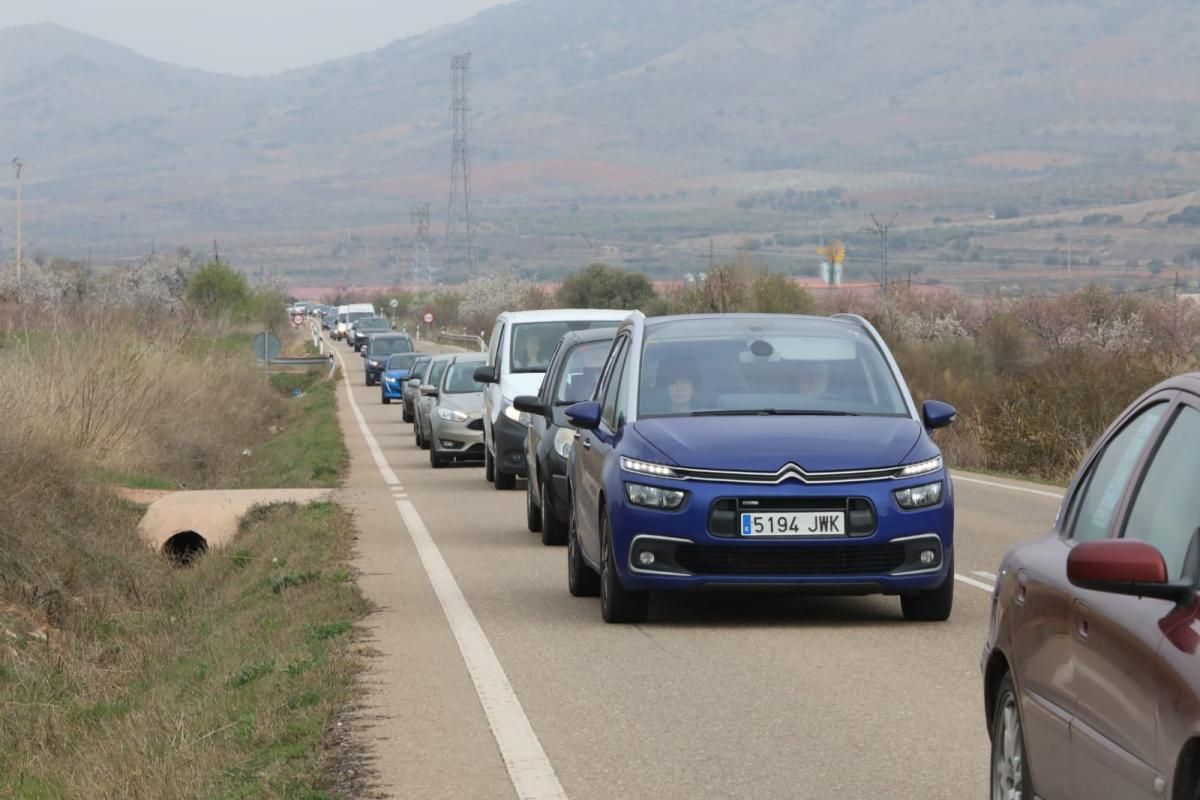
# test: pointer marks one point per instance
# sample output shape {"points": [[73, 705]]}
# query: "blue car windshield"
{"points": [[460, 378], [577, 381], [533, 343], [401, 360], [764, 365]]}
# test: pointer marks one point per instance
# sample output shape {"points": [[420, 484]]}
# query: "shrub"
{"points": [[602, 286]]}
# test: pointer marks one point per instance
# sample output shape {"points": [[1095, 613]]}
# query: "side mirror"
{"points": [[414, 382], [1127, 567], [362, 353], [486, 375], [937, 415], [585, 415], [429, 390], [529, 404]]}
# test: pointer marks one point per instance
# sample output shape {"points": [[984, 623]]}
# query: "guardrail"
{"points": [[475, 342]]}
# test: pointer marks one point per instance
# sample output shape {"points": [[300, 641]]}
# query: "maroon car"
{"points": [[1091, 672]]}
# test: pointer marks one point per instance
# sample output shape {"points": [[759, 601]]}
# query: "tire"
{"points": [[504, 481], [582, 580], [369, 381], [407, 417], [618, 605], [932, 605], [1010, 776], [435, 460], [553, 531], [533, 513], [417, 438], [489, 467], [424, 442], [387, 401]]}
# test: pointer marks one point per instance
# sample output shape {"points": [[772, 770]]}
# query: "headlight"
{"points": [[653, 496], [389, 379], [372, 363], [646, 468], [920, 496], [452, 415], [519, 417], [922, 468], [562, 441]]}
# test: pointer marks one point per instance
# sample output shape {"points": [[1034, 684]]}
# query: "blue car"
{"points": [[395, 373], [757, 450]]}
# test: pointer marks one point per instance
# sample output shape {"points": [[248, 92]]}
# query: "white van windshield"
{"points": [[533, 343]]}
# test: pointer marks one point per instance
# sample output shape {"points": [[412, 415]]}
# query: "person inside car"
{"points": [[678, 381], [529, 355], [812, 379]]}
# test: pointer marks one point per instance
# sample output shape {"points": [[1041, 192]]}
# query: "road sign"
{"points": [[297, 320], [394, 303], [428, 318], [267, 347]]}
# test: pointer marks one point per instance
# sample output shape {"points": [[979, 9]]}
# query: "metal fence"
{"points": [[473, 343]]}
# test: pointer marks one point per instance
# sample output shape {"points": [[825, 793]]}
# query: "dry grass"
{"points": [[120, 675]]}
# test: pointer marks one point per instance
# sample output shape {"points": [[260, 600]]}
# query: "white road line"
{"points": [[989, 575], [996, 484], [529, 768], [987, 587]]}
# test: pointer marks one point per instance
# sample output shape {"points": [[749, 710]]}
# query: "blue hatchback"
{"points": [[395, 373], [757, 450]]}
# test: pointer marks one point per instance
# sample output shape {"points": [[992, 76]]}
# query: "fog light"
{"points": [[645, 558], [928, 556]]}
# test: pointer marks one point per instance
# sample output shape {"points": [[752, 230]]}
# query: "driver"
{"points": [[679, 378], [530, 354], [813, 378]]}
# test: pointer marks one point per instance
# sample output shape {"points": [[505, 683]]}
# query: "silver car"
{"points": [[456, 417], [422, 402]]}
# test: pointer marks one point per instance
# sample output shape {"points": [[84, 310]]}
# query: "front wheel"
{"points": [[387, 401], [489, 466], [618, 604], [932, 605], [1011, 779], [582, 580], [504, 481], [553, 531], [435, 460]]}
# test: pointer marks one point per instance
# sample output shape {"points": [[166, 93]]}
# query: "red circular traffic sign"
{"points": [[428, 318], [297, 320]]}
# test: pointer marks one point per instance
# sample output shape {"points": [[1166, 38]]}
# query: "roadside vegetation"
{"points": [[122, 675], [1035, 378]]}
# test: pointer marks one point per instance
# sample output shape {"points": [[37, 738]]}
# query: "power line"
{"points": [[881, 231]]}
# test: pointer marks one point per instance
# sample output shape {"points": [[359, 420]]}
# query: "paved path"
{"points": [[493, 682]]}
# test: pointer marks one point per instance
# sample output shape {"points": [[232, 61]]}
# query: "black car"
{"points": [[570, 378], [359, 331], [377, 349], [409, 388]]}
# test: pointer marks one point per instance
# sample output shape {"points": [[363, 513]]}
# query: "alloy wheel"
{"points": [[1008, 754]]}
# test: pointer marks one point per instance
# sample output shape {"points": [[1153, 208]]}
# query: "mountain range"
{"points": [[588, 99]]}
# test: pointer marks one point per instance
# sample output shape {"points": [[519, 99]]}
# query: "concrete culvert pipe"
{"points": [[184, 547]]}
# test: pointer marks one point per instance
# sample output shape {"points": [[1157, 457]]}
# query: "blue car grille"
{"points": [[788, 472], [871, 559]]}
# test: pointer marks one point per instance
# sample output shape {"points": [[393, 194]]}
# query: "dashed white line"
{"points": [[987, 587], [959, 477], [529, 768]]}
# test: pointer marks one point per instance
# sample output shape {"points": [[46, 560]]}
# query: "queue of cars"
{"points": [[730, 451]]}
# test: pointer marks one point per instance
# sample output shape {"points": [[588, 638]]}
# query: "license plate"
{"points": [[794, 523]]}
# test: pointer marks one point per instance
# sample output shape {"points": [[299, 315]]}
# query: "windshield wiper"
{"points": [[771, 412]]}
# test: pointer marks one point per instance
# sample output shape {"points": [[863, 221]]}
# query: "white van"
{"points": [[520, 349], [351, 313]]}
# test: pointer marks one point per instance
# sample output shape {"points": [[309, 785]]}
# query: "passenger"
{"points": [[531, 356], [813, 378]]}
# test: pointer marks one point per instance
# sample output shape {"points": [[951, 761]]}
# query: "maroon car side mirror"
{"points": [[1125, 566]]}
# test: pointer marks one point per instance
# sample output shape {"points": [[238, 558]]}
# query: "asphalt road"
{"points": [[492, 681]]}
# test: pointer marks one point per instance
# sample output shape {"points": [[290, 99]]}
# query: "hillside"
{"points": [[595, 99]]}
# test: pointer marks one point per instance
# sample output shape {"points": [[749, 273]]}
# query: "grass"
{"points": [[132, 480], [220, 686], [309, 452]]}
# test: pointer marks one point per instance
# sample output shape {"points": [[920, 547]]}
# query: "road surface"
{"points": [[491, 681]]}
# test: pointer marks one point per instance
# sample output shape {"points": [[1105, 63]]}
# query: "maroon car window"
{"points": [[1111, 474], [1166, 511]]}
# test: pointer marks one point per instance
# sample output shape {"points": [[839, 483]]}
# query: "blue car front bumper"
{"points": [[392, 388], [894, 551]]}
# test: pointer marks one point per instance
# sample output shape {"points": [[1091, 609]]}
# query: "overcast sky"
{"points": [[244, 37]]}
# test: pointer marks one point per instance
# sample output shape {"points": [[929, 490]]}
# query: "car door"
{"points": [[536, 446], [491, 391], [593, 450], [1043, 646], [1118, 637]]}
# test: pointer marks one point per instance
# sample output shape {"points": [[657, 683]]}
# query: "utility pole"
{"points": [[460, 163], [1068, 254], [881, 231], [216, 252], [17, 166]]}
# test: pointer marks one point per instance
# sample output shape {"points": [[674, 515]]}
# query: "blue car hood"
{"points": [[764, 444], [396, 373]]}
